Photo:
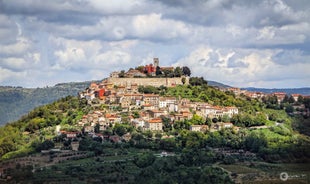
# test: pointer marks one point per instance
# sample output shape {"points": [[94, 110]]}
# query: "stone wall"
{"points": [[169, 82]]}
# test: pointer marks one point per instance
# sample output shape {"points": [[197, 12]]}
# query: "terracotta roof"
{"points": [[155, 120], [147, 105], [231, 107], [134, 94], [150, 95], [279, 93], [295, 95], [110, 116]]}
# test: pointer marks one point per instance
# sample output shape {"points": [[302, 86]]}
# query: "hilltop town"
{"points": [[123, 124], [120, 93], [123, 92]]}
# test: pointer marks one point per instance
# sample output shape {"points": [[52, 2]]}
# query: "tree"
{"points": [[273, 117], [144, 160], [167, 73], [289, 109], [225, 118], [148, 134], [215, 120], [120, 129], [306, 102], [47, 144], [136, 114], [166, 124], [167, 144], [194, 140], [285, 99], [122, 74], [255, 142], [6, 146], [186, 71], [291, 99], [148, 89], [197, 120], [208, 122], [140, 68], [260, 119], [178, 71], [300, 99], [183, 80], [158, 71], [158, 135], [197, 81], [85, 144], [97, 128]]}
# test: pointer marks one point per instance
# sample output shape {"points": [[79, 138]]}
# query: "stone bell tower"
{"points": [[156, 62]]}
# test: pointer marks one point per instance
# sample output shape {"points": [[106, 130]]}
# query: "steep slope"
{"points": [[17, 101]]}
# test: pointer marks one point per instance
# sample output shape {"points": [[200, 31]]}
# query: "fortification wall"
{"points": [[169, 82]]}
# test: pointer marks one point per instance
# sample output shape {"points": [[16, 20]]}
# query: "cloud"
{"points": [[112, 59], [19, 47], [16, 64], [8, 76], [119, 6], [247, 68], [242, 43], [153, 26], [83, 56], [8, 30], [291, 57]]}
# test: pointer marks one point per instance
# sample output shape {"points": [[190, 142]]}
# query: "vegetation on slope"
{"points": [[21, 137], [276, 141], [18, 101]]}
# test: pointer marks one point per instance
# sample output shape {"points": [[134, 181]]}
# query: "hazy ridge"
{"points": [[17, 101], [302, 91]]}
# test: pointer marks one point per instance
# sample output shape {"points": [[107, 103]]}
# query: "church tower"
{"points": [[156, 62]]}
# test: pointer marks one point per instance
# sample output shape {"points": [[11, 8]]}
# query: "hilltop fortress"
{"points": [[156, 82], [148, 76]]}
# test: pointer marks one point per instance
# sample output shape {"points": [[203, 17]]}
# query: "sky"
{"points": [[242, 43]]}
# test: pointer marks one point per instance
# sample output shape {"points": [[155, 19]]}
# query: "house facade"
{"points": [[154, 124]]}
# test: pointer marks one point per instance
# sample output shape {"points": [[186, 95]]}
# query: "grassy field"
{"points": [[261, 172]]}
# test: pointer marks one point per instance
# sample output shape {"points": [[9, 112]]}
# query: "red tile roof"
{"points": [[155, 120]]}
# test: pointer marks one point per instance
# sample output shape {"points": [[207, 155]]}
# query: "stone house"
{"points": [[164, 102], [155, 124], [199, 128], [152, 99]]}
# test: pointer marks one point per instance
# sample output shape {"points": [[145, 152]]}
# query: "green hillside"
{"points": [[268, 138], [18, 101]]}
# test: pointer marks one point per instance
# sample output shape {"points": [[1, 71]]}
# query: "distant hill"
{"points": [[302, 91], [217, 84], [17, 101]]}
